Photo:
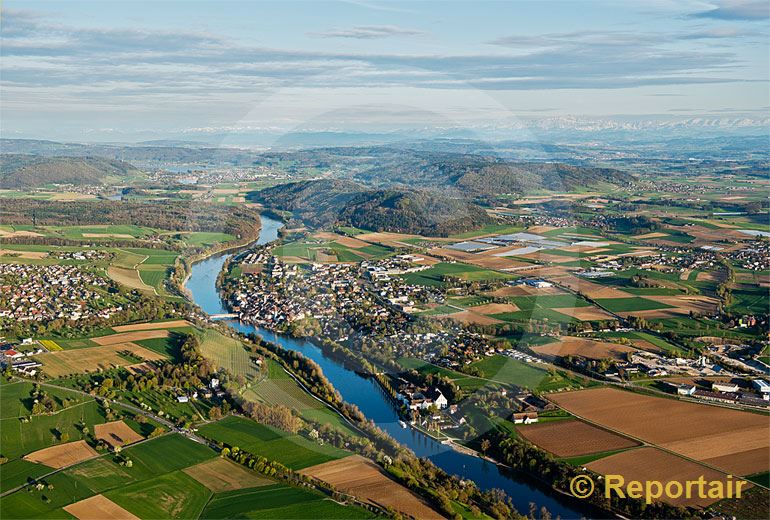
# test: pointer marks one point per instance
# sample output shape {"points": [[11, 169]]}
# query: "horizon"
{"points": [[121, 72]]}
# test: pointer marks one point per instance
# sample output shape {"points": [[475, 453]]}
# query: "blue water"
{"points": [[376, 405]]}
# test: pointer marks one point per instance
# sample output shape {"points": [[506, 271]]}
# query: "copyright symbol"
{"points": [[582, 486]]}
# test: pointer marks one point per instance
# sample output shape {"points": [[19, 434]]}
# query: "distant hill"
{"points": [[30, 171], [484, 176], [331, 202]]}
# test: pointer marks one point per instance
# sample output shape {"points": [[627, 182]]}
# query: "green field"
{"points": [[278, 501], [630, 304], [228, 353], [18, 438], [154, 471], [464, 381], [511, 371], [292, 451], [173, 495]]}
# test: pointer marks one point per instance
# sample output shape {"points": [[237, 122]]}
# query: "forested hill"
{"points": [[331, 202], [488, 176], [30, 171]]}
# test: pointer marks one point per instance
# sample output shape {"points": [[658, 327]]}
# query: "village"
{"points": [[45, 293]]}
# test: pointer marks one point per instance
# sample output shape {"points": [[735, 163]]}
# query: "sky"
{"points": [[129, 70]]}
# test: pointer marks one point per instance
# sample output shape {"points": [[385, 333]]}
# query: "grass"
{"points": [[293, 451], [18, 438], [278, 501], [763, 479], [511, 371], [173, 495], [151, 458], [228, 353], [582, 460], [464, 381]]}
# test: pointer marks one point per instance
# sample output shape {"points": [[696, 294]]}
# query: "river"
{"points": [[376, 405]]}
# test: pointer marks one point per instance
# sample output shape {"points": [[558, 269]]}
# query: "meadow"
{"points": [[292, 451]]}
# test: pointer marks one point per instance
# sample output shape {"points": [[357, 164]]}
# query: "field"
{"points": [[125, 337], [362, 478], [129, 278], [734, 441], [573, 438], [220, 475], [116, 433], [228, 353], [152, 326], [511, 371], [90, 359], [278, 501], [172, 495], [587, 348], [292, 451], [98, 507], [18, 438], [645, 464], [62, 455]]}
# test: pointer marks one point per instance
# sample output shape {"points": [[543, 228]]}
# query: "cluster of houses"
{"points": [[18, 356], [206, 392], [49, 292], [728, 393], [755, 257], [281, 294], [421, 398]]}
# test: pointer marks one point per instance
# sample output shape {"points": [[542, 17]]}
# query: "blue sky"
{"points": [[114, 70]]}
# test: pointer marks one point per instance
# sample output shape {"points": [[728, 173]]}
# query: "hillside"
{"points": [[484, 176], [330, 202], [29, 171]]}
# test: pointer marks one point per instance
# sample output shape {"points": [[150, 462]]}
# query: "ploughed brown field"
{"points": [[473, 317], [573, 438], [222, 475], [65, 362], [363, 479], [62, 455], [647, 464], [116, 433], [590, 313], [98, 507], [588, 348], [734, 441], [152, 326]]}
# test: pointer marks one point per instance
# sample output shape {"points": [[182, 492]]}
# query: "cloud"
{"points": [[114, 64], [369, 32], [738, 10]]}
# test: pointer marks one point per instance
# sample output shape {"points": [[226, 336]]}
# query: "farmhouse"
{"points": [[525, 418]]}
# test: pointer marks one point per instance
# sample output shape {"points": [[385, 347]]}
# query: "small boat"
{"points": [[402, 423]]}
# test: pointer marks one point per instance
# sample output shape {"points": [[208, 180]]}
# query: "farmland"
{"points": [[293, 451], [277, 501], [731, 440], [647, 464], [570, 438], [362, 478], [90, 359]]}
